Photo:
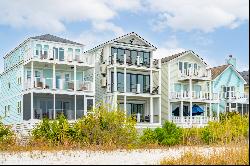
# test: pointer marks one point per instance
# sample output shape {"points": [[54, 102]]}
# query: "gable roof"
{"points": [[122, 37], [245, 75], [49, 37], [169, 58], [218, 70]]}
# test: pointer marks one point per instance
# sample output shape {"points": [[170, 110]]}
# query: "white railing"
{"points": [[61, 84], [195, 73], [139, 62], [232, 95], [84, 59], [193, 119], [201, 95]]}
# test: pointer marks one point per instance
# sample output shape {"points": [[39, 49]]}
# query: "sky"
{"points": [[212, 29]]}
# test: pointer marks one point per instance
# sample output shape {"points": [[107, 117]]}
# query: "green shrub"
{"points": [[192, 136], [55, 132], [169, 134], [148, 137], [7, 136], [232, 127], [106, 128]]}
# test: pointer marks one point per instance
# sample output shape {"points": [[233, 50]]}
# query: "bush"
{"points": [[192, 136], [7, 136], [54, 132], [105, 128], [148, 137], [169, 134], [232, 127]]}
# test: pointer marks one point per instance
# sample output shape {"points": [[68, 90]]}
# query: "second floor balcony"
{"points": [[59, 85], [60, 56], [196, 95], [233, 95], [196, 74]]}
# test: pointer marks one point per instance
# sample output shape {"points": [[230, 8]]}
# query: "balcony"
{"points": [[187, 121], [78, 59], [194, 74], [201, 95], [232, 95], [61, 85], [137, 62]]}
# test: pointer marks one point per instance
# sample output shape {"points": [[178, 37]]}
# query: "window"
{"points": [[128, 85], [185, 66], [38, 49], [19, 81], [120, 82], [55, 52], [128, 56], [19, 107], [9, 85], [61, 54], [46, 49], [133, 57], [77, 53], [7, 110], [120, 55], [70, 52], [146, 84], [146, 58], [180, 66]]}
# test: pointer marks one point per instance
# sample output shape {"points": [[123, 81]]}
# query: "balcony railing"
{"points": [[232, 95], [201, 95], [128, 61], [61, 84], [194, 74], [193, 119], [69, 58]]}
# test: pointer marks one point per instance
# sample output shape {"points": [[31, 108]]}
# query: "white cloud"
{"points": [[51, 15], [205, 15], [168, 48], [164, 52]]}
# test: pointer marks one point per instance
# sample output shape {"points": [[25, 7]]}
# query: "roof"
{"points": [[245, 75], [169, 58], [216, 71], [53, 38], [46, 37], [121, 37]]}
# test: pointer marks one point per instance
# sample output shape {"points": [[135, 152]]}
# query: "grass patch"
{"points": [[230, 155]]}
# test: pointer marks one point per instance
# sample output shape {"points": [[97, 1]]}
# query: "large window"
{"points": [[120, 82], [131, 82], [228, 91], [46, 50], [55, 52], [131, 56]]}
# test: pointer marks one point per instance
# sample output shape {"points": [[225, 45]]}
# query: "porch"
{"points": [[37, 106], [189, 114], [146, 111]]}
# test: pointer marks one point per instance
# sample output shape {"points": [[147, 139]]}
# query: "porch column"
{"points": [[75, 107], [236, 107], [85, 106], [151, 110], [242, 105], [115, 79], [181, 111], [31, 106], [54, 105], [125, 80], [218, 111], [210, 111], [170, 112], [160, 110], [31, 95], [74, 78], [191, 98]]}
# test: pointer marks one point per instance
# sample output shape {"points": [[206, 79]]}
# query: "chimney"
{"points": [[231, 61]]}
